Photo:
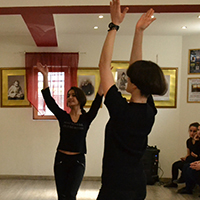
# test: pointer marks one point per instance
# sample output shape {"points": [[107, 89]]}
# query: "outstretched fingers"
{"points": [[145, 20], [115, 10]]}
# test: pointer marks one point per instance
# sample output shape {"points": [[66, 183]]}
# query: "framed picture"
{"points": [[169, 99], [166, 101], [119, 72], [193, 91], [88, 80], [194, 61], [13, 88]]}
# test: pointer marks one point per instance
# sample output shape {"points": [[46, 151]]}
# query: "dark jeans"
{"points": [[68, 171], [192, 177], [179, 165]]}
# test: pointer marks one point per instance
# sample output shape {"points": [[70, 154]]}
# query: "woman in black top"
{"points": [[130, 123], [193, 154], [69, 163]]}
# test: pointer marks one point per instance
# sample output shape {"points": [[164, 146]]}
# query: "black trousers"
{"points": [[136, 191], [178, 165], [108, 194], [192, 177], [68, 171]]}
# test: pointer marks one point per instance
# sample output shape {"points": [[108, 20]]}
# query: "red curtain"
{"points": [[56, 62]]}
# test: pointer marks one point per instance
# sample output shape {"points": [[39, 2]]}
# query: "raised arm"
{"points": [[44, 70], [144, 21], [117, 17]]}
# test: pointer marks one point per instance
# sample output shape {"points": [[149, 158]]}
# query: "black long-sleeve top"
{"points": [[72, 135]]}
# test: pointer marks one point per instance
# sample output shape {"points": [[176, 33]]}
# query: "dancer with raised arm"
{"points": [[130, 123], [69, 166]]}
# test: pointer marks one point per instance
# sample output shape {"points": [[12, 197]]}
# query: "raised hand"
{"points": [[145, 20], [115, 11], [43, 69]]}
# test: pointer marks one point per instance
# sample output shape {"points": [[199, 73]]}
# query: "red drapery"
{"points": [[56, 62]]}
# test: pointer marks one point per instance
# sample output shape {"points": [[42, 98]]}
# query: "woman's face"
{"points": [[71, 99], [198, 131], [192, 131]]}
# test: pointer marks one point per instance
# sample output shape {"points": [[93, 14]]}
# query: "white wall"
{"points": [[27, 147]]}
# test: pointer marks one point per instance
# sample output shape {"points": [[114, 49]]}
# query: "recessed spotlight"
{"points": [[184, 27], [100, 16], [96, 27], [152, 16], [198, 16]]}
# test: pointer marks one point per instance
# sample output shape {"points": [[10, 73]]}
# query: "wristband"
{"points": [[112, 26]]}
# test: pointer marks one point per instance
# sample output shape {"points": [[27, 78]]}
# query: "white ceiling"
{"points": [[166, 23], [13, 3]]}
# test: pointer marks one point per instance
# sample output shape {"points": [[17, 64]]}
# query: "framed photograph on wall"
{"points": [[169, 99], [194, 61], [193, 91], [88, 80], [13, 88], [166, 101], [119, 72]]}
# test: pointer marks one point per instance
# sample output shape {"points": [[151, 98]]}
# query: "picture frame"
{"points": [[168, 100], [88, 80], [193, 90], [194, 61], [13, 87]]}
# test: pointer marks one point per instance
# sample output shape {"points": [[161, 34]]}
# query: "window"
{"points": [[62, 75], [57, 88]]}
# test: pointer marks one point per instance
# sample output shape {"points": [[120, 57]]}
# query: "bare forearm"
{"points": [[107, 50], [107, 79], [45, 81], [136, 53]]}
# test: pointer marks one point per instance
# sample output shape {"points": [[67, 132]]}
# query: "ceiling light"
{"points": [[152, 16], [184, 27], [100, 16], [96, 27], [198, 16]]}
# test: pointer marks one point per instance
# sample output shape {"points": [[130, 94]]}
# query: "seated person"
{"points": [[15, 91], [193, 153], [191, 173], [192, 177]]}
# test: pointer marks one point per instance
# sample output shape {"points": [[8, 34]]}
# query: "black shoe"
{"points": [[180, 180], [184, 191], [171, 185]]}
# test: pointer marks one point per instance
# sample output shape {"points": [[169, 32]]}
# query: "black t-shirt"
{"points": [[125, 139], [195, 148], [72, 135]]}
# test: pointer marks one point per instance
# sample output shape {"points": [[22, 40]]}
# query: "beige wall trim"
{"points": [[26, 177]]}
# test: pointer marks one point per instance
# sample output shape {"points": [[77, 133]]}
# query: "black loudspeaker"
{"points": [[150, 161]]}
